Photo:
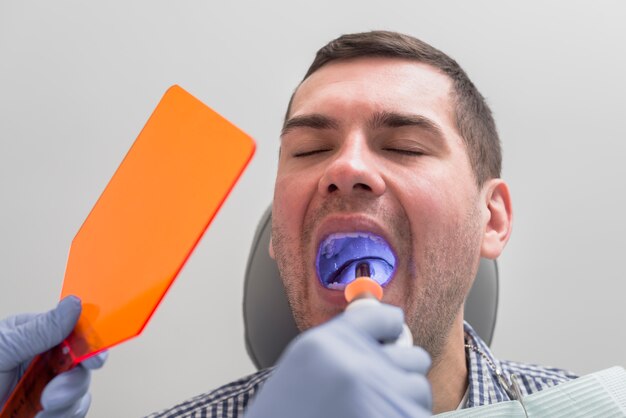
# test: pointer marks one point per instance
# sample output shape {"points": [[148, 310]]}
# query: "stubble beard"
{"points": [[441, 283], [295, 271], [437, 285]]}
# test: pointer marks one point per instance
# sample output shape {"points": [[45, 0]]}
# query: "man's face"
{"points": [[371, 146]]}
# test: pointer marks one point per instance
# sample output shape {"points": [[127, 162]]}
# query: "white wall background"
{"points": [[79, 79]]}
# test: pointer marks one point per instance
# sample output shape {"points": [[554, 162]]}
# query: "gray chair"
{"points": [[269, 324]]}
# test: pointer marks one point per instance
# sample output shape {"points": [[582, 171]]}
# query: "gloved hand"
{"points": [[340, 369], [24, 336]]}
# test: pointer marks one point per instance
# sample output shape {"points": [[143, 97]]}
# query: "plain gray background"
{"points": [[79, 79]]}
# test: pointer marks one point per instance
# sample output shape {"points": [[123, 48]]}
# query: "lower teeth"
{"points": [[380, 271]]}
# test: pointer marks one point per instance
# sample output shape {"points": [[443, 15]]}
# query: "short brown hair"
{"points": [[472, 115]]}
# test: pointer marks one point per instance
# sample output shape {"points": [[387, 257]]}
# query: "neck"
{"points": [[448, 374]]}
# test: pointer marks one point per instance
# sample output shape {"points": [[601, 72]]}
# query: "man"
{"points": [[385, 136]]}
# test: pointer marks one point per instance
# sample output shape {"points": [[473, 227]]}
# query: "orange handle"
{"points": [[25, 399], [362, 287]]}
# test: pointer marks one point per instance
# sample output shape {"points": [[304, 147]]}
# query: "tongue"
{"points": [[380, 271]]}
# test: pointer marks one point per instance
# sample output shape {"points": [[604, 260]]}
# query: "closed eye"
{"points": [[402, 151], [309, 153]]}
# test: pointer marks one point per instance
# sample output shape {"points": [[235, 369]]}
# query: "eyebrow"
{"points": [[314, 121], [382, 119], [386, 119]]}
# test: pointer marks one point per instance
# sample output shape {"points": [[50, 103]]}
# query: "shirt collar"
{"points": [[483, 383]]}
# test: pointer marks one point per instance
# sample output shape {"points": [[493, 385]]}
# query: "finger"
{"points": [[382, 322], [97, 361], [410, 359], [15, 320], [34, 335], [66, 389], [76, 410]]}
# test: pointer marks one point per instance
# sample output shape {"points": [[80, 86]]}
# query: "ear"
{"points": [[271, 250], [499, 218]]}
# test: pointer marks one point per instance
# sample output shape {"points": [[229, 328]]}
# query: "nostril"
{"points": [[357, 186]]}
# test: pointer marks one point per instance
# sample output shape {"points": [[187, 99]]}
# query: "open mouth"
{"points": [[340, 253]]}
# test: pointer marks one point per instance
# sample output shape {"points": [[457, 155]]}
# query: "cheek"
{"points": [[434, 203], [291, 197]]}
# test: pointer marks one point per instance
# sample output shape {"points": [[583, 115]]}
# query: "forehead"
{"points": [[357, 87]]}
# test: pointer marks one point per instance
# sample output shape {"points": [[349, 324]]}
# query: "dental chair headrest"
{"points": [[269, 324]]}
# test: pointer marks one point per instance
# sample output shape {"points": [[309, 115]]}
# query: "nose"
{"points": [[352, 169]]}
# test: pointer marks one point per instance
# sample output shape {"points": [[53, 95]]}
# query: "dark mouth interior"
{"points": [[342, 274], [339, 255]]}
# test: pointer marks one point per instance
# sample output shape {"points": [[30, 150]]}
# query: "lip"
{"points": [[346, 224]]}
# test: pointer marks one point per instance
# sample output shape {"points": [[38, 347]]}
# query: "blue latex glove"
{"points": [[24, 336], [340, 369]]}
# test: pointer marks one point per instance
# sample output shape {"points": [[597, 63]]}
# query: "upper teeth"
{"points": [[339, 235], [328, 245]]}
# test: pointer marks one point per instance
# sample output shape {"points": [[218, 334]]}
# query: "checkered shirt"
{"points": [[484, 386], [230, 401]]}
